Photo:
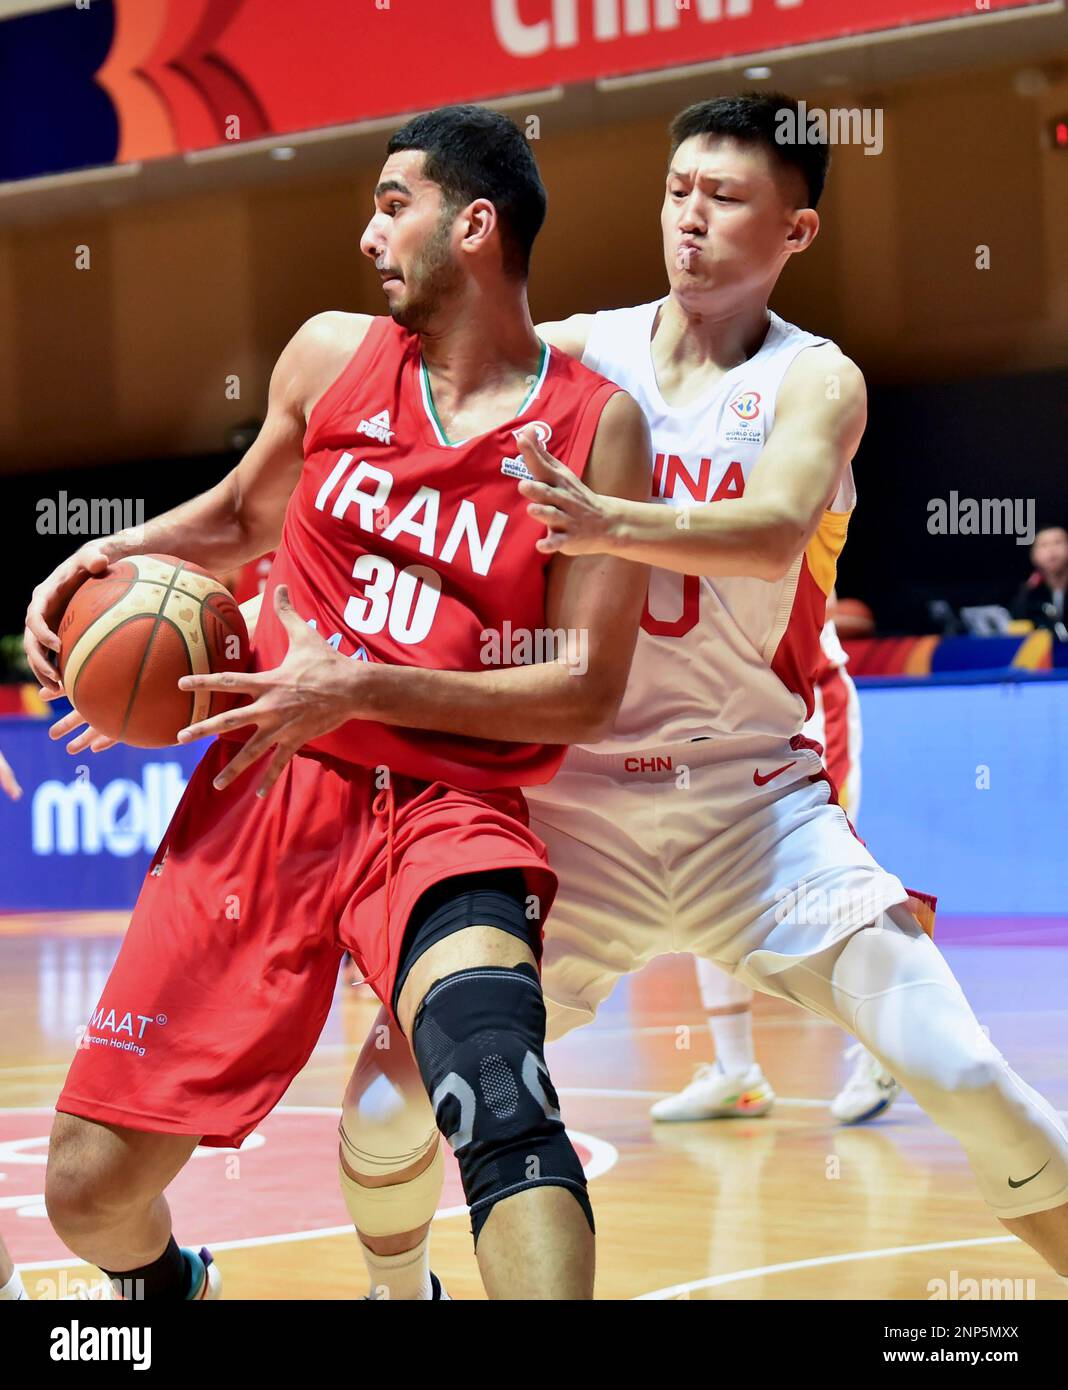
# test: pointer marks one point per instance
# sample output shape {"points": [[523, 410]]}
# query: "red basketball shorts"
{"points": [[227, 971]]}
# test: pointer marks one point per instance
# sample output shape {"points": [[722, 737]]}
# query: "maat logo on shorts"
{"points": [[125, 1031]]}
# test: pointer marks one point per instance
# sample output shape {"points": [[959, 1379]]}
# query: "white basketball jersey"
{"points": [[716, 658]]}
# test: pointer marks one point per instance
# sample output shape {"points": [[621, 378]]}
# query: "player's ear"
{"points": [[805, 229], [482, 222]]}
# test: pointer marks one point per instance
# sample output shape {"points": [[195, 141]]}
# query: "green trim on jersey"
{"points": [[435, 420]]}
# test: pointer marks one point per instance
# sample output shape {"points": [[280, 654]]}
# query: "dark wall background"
{"points": [[995, 437]]}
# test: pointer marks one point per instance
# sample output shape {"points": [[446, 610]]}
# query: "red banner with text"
{"points": [[178, 71]]}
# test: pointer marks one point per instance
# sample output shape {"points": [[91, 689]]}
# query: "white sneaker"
{"points": [[713, 1095], [869, 1091]]}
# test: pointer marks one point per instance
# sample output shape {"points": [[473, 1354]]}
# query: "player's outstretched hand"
{"points": [[47, 604], [89, 738], [8, 781], [310, 694], [578, 520]]}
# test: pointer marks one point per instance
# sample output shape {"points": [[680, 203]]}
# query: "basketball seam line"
{"points": [[156, 623]]}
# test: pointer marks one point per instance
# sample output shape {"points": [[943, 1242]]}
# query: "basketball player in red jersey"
{"points": [[372, 801]]}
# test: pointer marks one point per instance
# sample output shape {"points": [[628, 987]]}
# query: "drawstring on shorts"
{"points": [[384, 805]]}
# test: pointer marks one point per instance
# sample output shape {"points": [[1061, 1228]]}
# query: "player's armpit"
{"points": [[597, 599], [569, 335]]}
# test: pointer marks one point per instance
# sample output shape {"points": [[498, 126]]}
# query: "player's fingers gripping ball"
{"points": [[129, 635]]}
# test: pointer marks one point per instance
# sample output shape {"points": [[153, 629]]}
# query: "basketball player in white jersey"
{"points": [[734, 1084], [706, 822]]}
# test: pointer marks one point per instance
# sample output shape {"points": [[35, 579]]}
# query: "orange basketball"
{"points": [[129, 634]]}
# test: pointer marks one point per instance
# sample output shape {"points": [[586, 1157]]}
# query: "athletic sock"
{"points": [[732, 1035], [405, 1276], [169, 1277], [13, 1290]]}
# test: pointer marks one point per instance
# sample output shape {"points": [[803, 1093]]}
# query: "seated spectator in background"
{"points": [[1042, 598]]}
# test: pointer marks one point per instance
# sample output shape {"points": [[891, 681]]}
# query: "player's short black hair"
{"points": [[474, 153], [757, 118]]}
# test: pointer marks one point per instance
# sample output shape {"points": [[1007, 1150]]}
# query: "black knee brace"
{"points": [[478, 1039]]}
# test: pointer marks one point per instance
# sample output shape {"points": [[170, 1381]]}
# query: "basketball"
{"points": [[128, 635], [853, 618]]}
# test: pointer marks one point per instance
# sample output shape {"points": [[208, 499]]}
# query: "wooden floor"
{"points": [[788, 1206]]}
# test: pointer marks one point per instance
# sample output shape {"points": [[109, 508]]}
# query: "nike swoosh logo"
{"points": [[759, 781], [1024, 1181]]}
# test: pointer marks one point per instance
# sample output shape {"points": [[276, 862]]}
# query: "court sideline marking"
{"points": [[737, 1276]]}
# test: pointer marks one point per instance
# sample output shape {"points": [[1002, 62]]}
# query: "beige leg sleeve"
{"points": [[387, 1126]]}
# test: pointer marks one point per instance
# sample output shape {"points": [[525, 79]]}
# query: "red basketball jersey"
{"points": [[252, 578], [402, 547]]}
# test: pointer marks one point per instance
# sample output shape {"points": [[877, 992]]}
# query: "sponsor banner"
{"points": [[128, 79], [83, 834], [966, 792]]}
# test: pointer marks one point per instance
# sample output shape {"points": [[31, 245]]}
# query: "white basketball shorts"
{"points": [[734, 850]]}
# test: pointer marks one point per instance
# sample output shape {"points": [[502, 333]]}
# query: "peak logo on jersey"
{"points": [[747, 405], [377, 428], [515, 467]]}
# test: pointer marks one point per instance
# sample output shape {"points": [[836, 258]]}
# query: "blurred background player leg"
{"points": [[732, 1084], [836, 726], [11, 1286]]}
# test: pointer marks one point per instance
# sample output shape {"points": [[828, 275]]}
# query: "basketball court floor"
{"points": [[790, 1206]]}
